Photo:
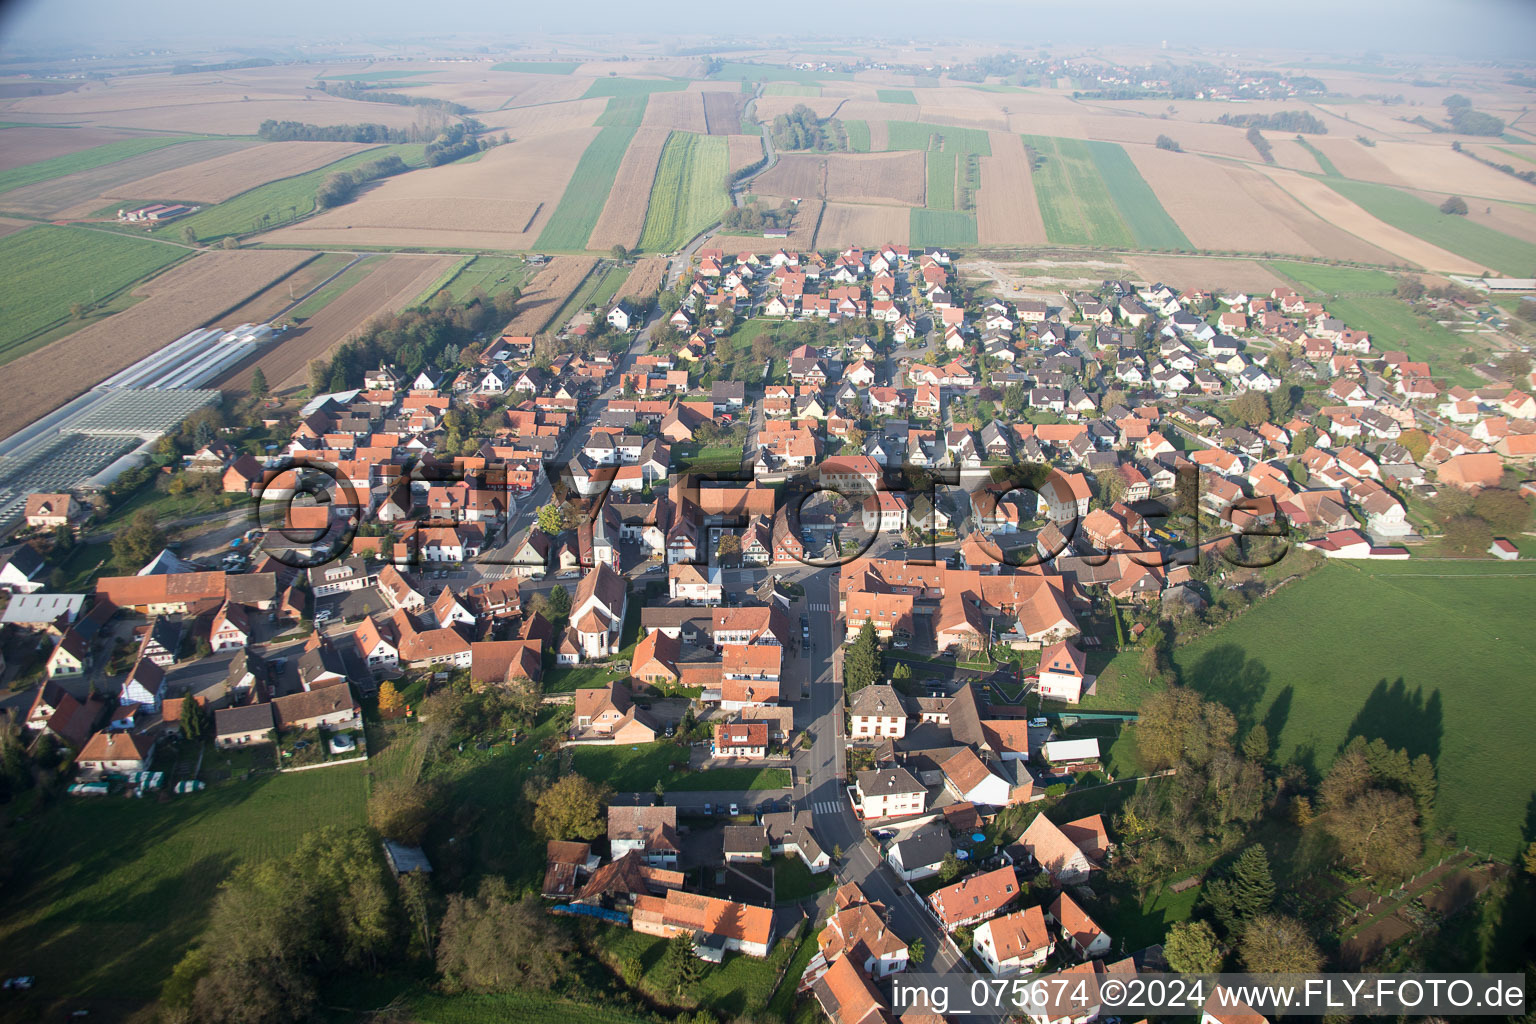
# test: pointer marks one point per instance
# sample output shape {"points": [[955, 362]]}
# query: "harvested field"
{"points": [[29, 145], [1324, 237], [501, 201], [770, 107], [80, 194], [681, 111], [1423, 220], [623, 215], [168, 112], [279, 295], [645, 279], [962, 117], [183, 298], [528, 90], [879, 137], [802, 233], [722, 112], [744, 151], [520, 122], [395, 284], [1006, 210], [10, 226], [218, 179], [875, 178], [848, 224], [867, 110], [547, 292], [588, 190], [1432, 167], [1205, 272], [1337, 210], [795, 176]]}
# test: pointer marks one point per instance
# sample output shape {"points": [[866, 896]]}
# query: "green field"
{"points": [[918, 135], [736, 71], [639, 767], [537, 67], [86, 159], [491, 274], [599, 288], [1334, 280], [1138, 205], [738, 987], [1322, 159], [1457, 234], [858, 135], [790, 89], [942, 228], [624, 111], [689, 192], [1075, 201], [633, 86], [586, 193], [941, 180], [1433, 656], [51, 268], [279, 201], [896, 96], [136, 876], [1393, 325]]}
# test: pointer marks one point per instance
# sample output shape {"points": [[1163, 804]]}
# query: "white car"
{"points": [[324, 615]]}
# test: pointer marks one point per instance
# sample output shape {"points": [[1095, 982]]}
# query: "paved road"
{"points": [[823, 791]]}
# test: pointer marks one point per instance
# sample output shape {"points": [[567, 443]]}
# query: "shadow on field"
{"points": [[1402, 719], [1227, 675]]}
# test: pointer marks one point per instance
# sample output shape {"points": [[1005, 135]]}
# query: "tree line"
{"points": [[802, 129], [342, 186], [1280, 121], [366, 93], [1257, 140]]}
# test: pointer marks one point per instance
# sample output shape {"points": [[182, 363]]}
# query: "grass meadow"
{"points": [[1328, 166], [737, 71], [1393, 324], [624, 111], [526, 1007], [941, 180], [131, 880], [941, 228], [1143, 214], [919, 135], [87, 159], [633, 86], [896, 96], [586, 193], [1325, 280], [688, 194], [1432, 656], [858, 135], [51, 268], [1075, 201], [1463, 237], [280, 202], [491, 274]]}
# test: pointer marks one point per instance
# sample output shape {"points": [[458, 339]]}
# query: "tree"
{"points": [[1165, 142], [1251, 407], [1377, 832], [137, 542], [194, 720], [1303, 439], [1253, 887], [390, 700], [1455, 206], [917, 951], [1177, 726], [230, 242], [618, 252], [1528, 861], [1514, 366], [1503, 510], [491, 943], [571, 808], [1278, 945], [1416, 441], [551, 518], [681, 966], [189, 234], [1410, 289], [319, 376], [729, 551], [1191, 948], [1467, 535], [861, 661], [258, 384], [1256, 743], [949, 867], [400, 809], [559, 602], [1112, 485]]}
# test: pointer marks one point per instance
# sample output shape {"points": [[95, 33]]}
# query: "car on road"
{"points": [[735, 810], [1038, 723], [709, 808], [324, 615], [884, 833]]}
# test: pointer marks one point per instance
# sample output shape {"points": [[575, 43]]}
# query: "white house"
{"points": [[891, 793], [1014, 942]]}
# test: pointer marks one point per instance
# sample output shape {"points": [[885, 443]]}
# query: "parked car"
{"points": [[1038, 723], [20, 982], [324, 615], [709, 808], [899, 644], [735, 810]]}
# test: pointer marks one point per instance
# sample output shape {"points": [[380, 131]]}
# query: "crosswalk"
{"points": [[826, 806], [820, 607]]}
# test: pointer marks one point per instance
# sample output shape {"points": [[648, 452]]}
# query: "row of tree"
{"points": [[342, 186], [1280, 121], [802, 129]]}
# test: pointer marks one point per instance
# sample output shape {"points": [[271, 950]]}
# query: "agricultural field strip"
{"points": [[941, 180], [941, 228], [569, 227], [1075, 201], [688, 194], [87, 159], [1472, 241], [1135, 199]]}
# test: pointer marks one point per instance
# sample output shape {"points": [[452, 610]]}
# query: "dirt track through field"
{"points": [[1006, 208], [185, 297], [391, 287], [547, 292]]}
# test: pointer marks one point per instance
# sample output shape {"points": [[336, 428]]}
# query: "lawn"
{"points": [[1392, 324], [633, 87], [279, 202], [624, 111], [599, 287], [537, 67], [1335, 280], [790, 89], [941, 180], [1466, 238], [50, 268], [740, 985], [576, 677], [1075, 201], [637, 768], [87, 159], [919, 135], [858, 135], [793, 881], [689, 192], [745, 777], [941, 228], [1433, 656], [1137, 203], [491, 274], [896, 96], [135, 877], [737, 71], [587, 191]]}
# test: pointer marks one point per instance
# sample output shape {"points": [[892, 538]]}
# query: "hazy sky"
{"points": [[1487, 28]]}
